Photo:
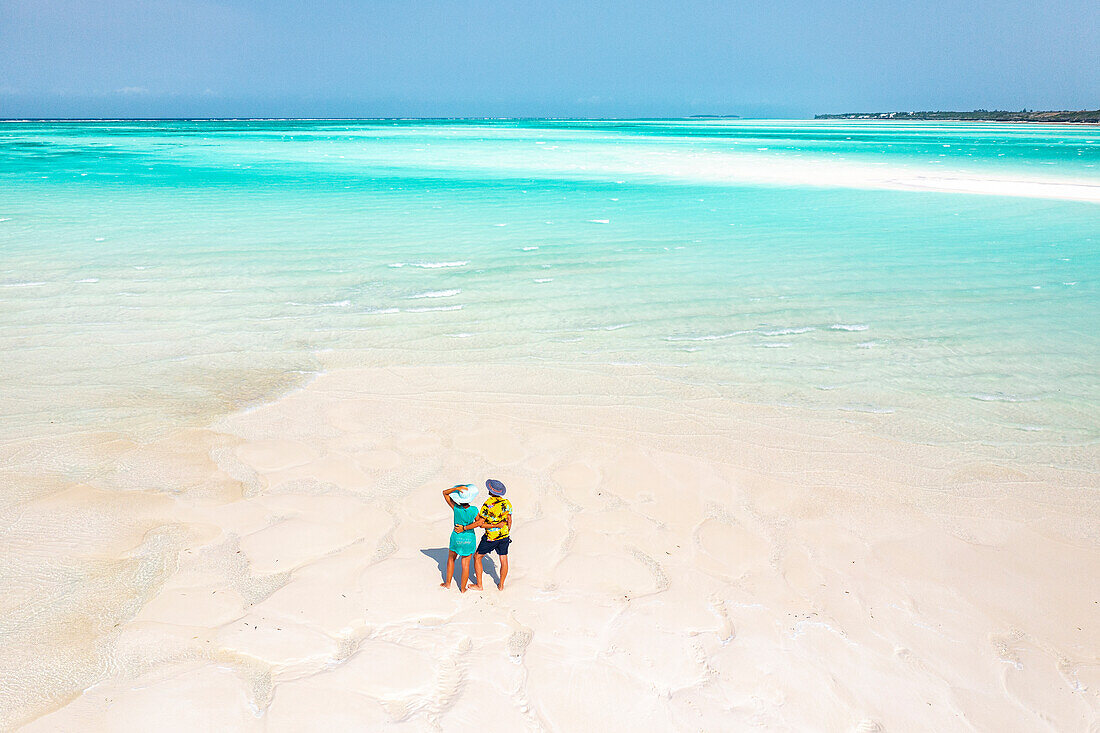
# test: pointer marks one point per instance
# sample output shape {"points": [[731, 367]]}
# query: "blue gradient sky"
{"points": [[334, 58]]}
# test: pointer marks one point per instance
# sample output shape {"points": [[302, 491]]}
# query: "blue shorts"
{"points": [[500, 546]]}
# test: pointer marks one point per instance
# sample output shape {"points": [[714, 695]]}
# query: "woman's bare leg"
{"points": [[450, 571], [465, 573]]}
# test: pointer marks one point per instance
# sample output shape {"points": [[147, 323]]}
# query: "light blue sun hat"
{"points": [[467, 495]]}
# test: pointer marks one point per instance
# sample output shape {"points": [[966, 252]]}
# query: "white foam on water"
{"points": [[431, 265], [434, 308], [788, 331], [871, 409], [708, 337], [89, 280], [530, 249], [776, 346], [866, 344], [599, 221], [612, 327], [848, 327], [544, 279], [381, 311], [1001, 397], [334, 304], [460, 335], [24, 284], [435, 294], [5, 218], [436, 265]]}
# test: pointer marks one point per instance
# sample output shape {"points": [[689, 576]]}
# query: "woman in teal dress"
{"points": [[460, 498]]}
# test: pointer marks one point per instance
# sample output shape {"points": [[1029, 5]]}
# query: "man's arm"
{"points": [[482, 523]]}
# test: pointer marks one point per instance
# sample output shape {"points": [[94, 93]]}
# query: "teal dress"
{"points": [[463, 543]]}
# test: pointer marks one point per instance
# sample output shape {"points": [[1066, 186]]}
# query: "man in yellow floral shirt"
{"points": [[496, 518]]}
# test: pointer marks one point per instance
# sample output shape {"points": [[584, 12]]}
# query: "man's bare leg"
{"points": [[450, 571], [503, 571], [476, 585], [465, 573]]}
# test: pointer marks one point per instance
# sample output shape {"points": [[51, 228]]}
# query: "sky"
{"points": [[542, 58]]}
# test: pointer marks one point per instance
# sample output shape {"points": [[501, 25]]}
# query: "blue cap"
{"points": [[495, 487]]}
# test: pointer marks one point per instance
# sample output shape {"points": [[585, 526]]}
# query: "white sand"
{"points": [[777, 167], [679, 563]]}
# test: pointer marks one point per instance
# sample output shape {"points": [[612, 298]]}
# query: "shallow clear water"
{"points": [[153, 272]]}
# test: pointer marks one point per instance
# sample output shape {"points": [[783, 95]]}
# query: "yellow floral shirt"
{"points": [[494, 510]]}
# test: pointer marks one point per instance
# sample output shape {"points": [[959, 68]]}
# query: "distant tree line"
{"points": [[978, 115]]}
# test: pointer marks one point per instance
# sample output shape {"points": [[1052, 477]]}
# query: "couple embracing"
{"points": [[495, 517]]}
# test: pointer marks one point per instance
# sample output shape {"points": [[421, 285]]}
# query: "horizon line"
{"points": [[870, 117], [382, 118]]}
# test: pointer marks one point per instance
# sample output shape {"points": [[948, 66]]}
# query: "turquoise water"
{"points": [[159, 272]]}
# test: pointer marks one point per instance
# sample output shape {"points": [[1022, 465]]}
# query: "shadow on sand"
{"points": [[439, 554]]}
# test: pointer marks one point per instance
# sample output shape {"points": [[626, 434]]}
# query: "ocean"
{"points": [[157, 273]]}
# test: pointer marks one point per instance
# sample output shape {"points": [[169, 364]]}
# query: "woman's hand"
{"points": [[460, 528]]}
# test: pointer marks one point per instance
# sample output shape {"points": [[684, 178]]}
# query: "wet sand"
{"points": [[680, 562]]}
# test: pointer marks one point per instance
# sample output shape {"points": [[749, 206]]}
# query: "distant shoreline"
{"points": [[1081, 117], [1075, 118]]}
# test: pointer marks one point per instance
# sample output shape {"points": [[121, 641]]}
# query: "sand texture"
{"points": [[679, 563]]}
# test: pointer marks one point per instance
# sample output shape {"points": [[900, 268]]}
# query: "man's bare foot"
{"points": [[445, 585], [500, 585], [461, 590], [476, 586]]}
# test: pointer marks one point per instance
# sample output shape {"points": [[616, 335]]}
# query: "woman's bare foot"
{"points": [[500, 585], [475, 587], [445, 585]]}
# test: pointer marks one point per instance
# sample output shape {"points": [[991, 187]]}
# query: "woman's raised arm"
{"points": [[447, 495]]}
